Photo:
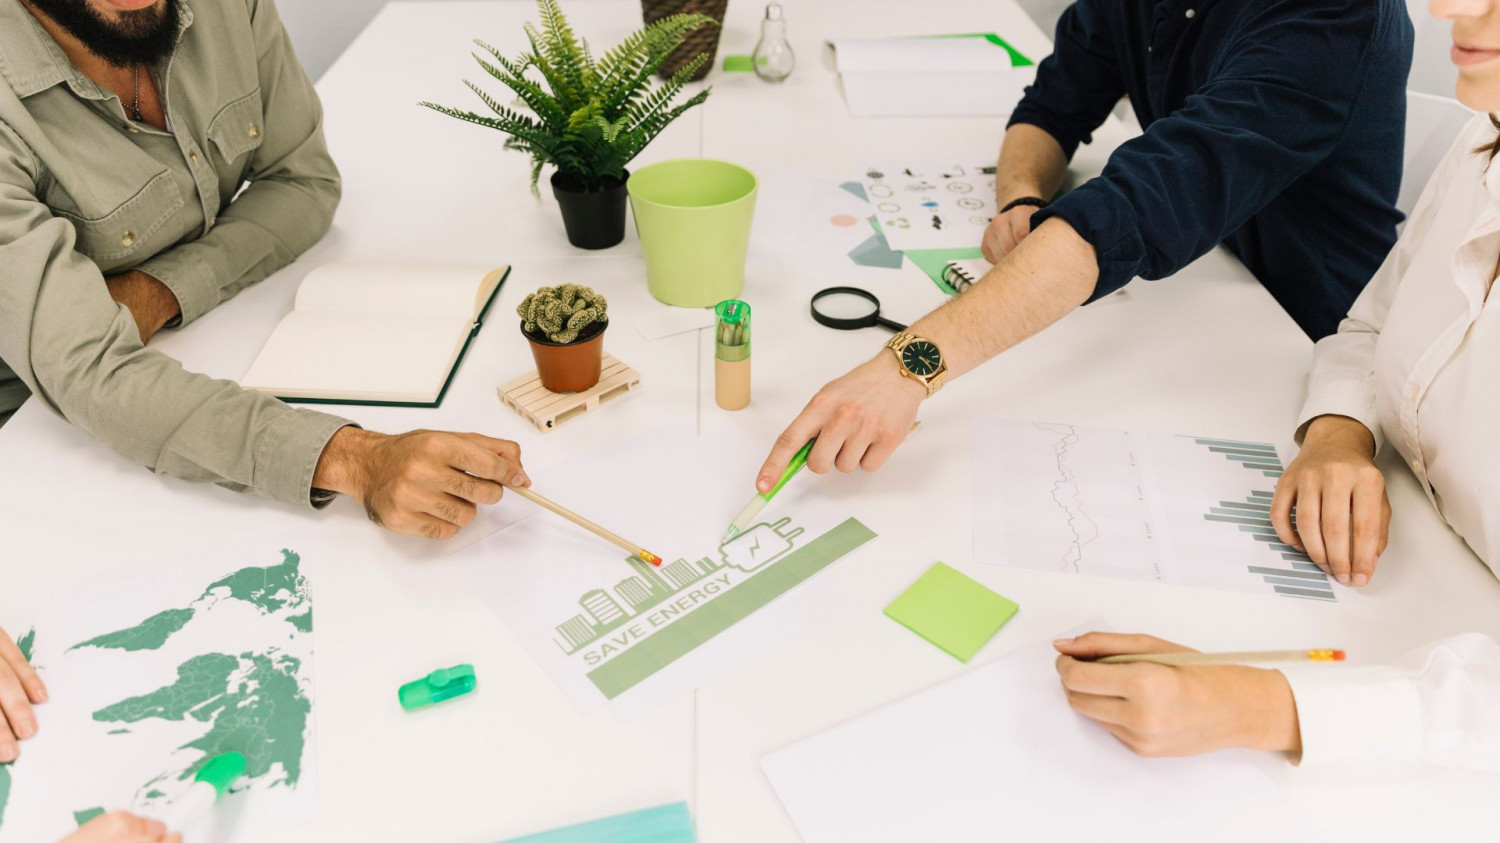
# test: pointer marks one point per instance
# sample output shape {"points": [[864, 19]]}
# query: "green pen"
{"points": [[741, 522]]}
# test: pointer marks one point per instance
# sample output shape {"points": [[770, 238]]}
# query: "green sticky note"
{"points": [[739, 64], [952, 611]]}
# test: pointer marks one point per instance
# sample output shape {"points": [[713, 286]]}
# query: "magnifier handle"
{"points": [[889, 325]]}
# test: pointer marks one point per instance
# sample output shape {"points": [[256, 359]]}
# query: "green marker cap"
{"points": [[445, 683], [221, 771], [739, 64]]}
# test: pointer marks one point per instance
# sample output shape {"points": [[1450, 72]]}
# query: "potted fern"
{"points": [[592, 118], [565, 326]]}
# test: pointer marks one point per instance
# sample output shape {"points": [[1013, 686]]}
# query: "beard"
{"points": [[144, 36]]}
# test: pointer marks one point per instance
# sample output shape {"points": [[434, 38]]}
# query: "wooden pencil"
{"points": [[1228, 658], [586, 524]]}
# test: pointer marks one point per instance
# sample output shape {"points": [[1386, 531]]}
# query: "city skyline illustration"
{"points": [[607, 609]]}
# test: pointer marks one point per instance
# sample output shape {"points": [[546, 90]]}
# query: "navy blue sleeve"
{"points": [[1078, 85], [1277, 105]]}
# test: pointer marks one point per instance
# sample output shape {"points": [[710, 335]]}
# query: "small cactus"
{"points": [[562, 312]]}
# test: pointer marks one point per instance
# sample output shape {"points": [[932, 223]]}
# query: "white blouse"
{"points": [[1418, 363]]}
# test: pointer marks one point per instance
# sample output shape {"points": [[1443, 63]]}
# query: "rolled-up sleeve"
{"points": [[292, 193], [81, 355], [1077, 86], [1441, 705], [1278, 106]]}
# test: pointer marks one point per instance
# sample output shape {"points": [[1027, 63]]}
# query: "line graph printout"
{"points": [[1157, 507]]}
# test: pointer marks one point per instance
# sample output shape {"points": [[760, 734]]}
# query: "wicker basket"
{"points": [[704, 39]]}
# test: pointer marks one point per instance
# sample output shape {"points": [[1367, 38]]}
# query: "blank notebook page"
{"points": [[367, 356]]}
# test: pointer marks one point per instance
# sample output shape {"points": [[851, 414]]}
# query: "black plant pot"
{"points": [[593, 219]]}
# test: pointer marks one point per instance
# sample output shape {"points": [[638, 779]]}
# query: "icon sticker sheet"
{"points": [[931, 206]]}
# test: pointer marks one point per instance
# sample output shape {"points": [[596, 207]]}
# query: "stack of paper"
{"points": [[977, 75]]}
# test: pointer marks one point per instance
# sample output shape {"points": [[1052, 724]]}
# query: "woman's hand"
{"points": [[121, 827], [1158, 710], [1343, 517], [20, 688]]}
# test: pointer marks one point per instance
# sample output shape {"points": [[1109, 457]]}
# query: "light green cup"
{"points": [[693, 216]]}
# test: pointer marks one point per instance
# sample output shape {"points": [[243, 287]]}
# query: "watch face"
{"points": [[921, 358]]}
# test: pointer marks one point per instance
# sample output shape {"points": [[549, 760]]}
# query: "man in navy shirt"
{"points": [[1272, 126]]}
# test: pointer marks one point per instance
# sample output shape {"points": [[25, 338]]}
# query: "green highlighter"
{"points": [[441, 684], [741, 522]]}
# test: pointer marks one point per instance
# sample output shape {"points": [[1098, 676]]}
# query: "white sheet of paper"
{"points": [[607, 629], [997, 754], [931, 205], [622, 281], [1156, 507], [916, 93], [218, 658]]}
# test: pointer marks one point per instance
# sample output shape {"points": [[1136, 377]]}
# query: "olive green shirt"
{"points": [[85, 192]]}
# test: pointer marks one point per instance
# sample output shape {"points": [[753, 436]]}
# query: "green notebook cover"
{"points": [[452, 373], [934, 261]]}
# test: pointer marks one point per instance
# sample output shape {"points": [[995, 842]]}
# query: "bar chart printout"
{"points": [[1157, 507]]}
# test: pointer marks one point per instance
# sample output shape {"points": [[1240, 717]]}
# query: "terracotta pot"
{"points": [[569, 367]]}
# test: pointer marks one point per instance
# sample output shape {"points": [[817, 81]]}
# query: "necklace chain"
{"points": [[136, 108]]}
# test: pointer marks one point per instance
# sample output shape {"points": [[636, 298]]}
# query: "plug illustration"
{"points": [[760, 545]]}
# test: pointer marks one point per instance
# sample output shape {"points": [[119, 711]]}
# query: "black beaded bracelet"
{"points": [[1034, 201]]}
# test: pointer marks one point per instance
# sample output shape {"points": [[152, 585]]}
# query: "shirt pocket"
{"points": [[238, 128], [130, 229]]}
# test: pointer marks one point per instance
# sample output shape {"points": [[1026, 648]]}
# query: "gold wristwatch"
{"points": [[920, 360]]}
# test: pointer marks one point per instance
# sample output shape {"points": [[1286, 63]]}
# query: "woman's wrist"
{"points": [[1267, 713], [1340, 430]]}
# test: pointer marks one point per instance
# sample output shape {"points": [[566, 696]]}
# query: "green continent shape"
{"points": [[4, 791], [86, 814], [149, 634], [268, 589], [26, 643], [262, 714], [303, 622]]}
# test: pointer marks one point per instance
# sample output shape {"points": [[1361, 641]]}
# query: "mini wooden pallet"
{"points": [[546, 409]]}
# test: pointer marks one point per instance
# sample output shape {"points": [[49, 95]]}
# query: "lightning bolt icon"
{"points": [[755, 547]]}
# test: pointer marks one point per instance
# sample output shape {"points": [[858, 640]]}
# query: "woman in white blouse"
{"points": [[1417, 365]]}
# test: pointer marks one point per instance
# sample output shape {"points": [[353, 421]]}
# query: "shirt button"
{"points": [[128, 240], [133, 130], [254, 131], [1189, 14], [193, 157]]}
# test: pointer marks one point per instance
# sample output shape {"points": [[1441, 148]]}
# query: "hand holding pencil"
{"points": [[1169, 710]]}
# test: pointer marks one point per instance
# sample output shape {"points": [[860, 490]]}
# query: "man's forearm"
{"points": [[151, 303], [1050, 274], [1032, 163]]}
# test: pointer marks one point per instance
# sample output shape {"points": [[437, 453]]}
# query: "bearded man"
{"points": [[156, 157]]}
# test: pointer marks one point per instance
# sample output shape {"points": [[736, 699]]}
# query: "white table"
{"points": [[1206, 352]]}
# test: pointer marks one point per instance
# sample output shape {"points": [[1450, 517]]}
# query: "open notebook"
{"points": [[375, 333]]}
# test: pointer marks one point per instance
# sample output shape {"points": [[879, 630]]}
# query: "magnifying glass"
{"points": [[849, 309]]}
